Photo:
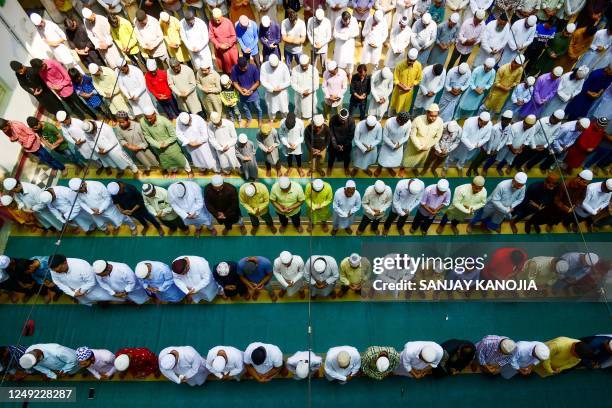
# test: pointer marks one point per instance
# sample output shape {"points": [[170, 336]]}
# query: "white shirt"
{"points": [[292, 272], [121, 279], [304, 356], [150, 36], [492, 39], [28, 198], [195, 38], [375, 34], [544, 132], [196, 278], [569, 88], [329, 276], [296, 31], [274, 357], [375, 201], [595, 200], [423, 36], [234, 365], [523, 36], [519, 136], [62, 206], [97, 197], [133, 83], [188, 365], [192, 202], [346, 206], [403, 200], [335, 372], [410, 357], [104, 363], [473, 136], [294, 136], [320, 34]]}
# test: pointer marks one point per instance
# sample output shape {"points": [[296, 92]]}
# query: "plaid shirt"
{"points": [[369, 357]]}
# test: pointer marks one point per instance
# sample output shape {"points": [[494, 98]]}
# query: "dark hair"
{"points": [[16, 65], [36, 63], [437, 69], [362, 67], [583, 350], [32, 121], [346, 15], [56, 260], [74, 74], [258, 355], [517, 256]]}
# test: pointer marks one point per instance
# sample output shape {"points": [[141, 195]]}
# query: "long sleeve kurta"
{"points": [[465, 202], [104, 82], [393, 140], [195, 38], [122, 279], [55, 358], [471, 100], [409, 76], [234, 366], [399, 43], [375, 34], [366, 142], [302, 82], [319, 202], [150, 38], [223, 35], [326, 279], [223, 138], [455, 82], [210, 85], [134, 88], [423, 136], [345, 208], [544, 90], [198, 280], [80, 279], [162, 136], [430, 83], [161, 280], [195, 138], [276, 81], [190, 366], [172, 37], [99, 32], [506, 79], [183, 85], [187, 200], [344, 42]]}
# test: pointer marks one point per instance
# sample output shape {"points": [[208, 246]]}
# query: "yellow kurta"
{"points": [[258, 204], [400, 100], [506, 77], [561, 357], [423, 136], [125, 40], [105, 85], [541, 270], [319, 203], [172, 38]]}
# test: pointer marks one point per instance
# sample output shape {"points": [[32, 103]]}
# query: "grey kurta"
{"points": [[133, 136], [248, 168], [265, 142], [210, 85], [183, 85]]}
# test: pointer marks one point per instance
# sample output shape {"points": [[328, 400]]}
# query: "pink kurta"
{"points": [[56, 77], [25, 136], [224, 33]]}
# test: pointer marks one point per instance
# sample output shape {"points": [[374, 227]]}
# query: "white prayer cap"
{"points": [[558, 71], [463, 68], [433, 108], [225, 79], [480, 14], [426, 18], [9, 183], [86, 12], [93, 68], [243, 20], [149, 110], [350, 184], [371, 120], [530, 80], [151, 64], [318, 120], [343, 359], [379, 186], [112, 188], [591, 258], [61, 116], [452, 126], [479, 181], [570, 28], [559, 114], [519, 59], [184, 118], [163, 16], [455, 17], [217, 13], [273, 60], [532, 20], [428, 354], [75, 183], [413, 54], [586, 174], [45, 197], [301, 370], [507, 346], [99, 266], [582, 71], [6, 200], [147, 188], [87, 126], [243, 138], [530, 119], [285, 257], [304, 59], [223, 269], [416, 186], [562, 266], [142, 270], [167, 362], [35, 18], [215, 117], [217, 180], [27, 361], [122, 362], [484, 116], [541, 351], [320, 14], [404, 20], [331, 65], [250, 190], [379, 15], [218, 365], [490, 62], [354, 259], [4, 261], [284, 182], [508, 114], [265, 21], [584, 122], [317, 185], [387, 73], [442, 185], [319, 265], [609, 184], [382, 363], [520, 177]]}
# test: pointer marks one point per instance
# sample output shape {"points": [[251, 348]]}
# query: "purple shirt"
{"points": [[544, 90], [269, 36], [246, 80], [488, 353], [361, 3], [431, 199]]}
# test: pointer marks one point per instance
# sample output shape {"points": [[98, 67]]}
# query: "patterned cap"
{"points": [[84, 353], [122, 115]]}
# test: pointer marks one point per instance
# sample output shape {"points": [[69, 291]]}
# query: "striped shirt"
{"points": [[369, 357]]}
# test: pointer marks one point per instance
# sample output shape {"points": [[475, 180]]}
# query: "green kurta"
{"points": [[319, 203], [162, 133], [558, 46]]}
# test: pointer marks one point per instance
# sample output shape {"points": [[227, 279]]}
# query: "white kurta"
{"points": [[223, 138], [403, 200], [302, 81], [344, 48], [598, 55], [372, 200], [203, 156], [196, 40], [332, 14], [401, 38], [374, 37], [319, 34], [380, 89], [198, 279], [190, 366], [519, 39], [448, 102], [99, 32], [492, 42], [314, 361], [275, 81], [98, 198], [80, 277], [74, 134], [115, 156], [294, 272], [472, 138], [329, 276], [403, 8], [190, 203], [51, 33], [345, 208], [333, 371], [410, 357], [123, 279], [234, 365], [62, 208], [519, 136], [424, 36], [134, 88], [151, 38], [393, 141], [429, 83], [29, 200], [567, 90], [292, 137], [104, 363], [364, 139]]}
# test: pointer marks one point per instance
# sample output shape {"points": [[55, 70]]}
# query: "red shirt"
{"points": [[143, 362], [500, 265], [158, 84], [23, 135]]}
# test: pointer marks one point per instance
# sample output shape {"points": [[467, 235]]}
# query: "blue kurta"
{"points": [[597, 81], [363, 138], [470, 100], [162, 279]]}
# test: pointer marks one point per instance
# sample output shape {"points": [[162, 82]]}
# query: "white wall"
{"points": [[21, 104]]}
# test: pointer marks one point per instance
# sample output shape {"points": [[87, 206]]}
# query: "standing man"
{"points": [[406, 76], [225, 362], [359, 91], [418, 358], [133, 86], [221, 200], [156, 278], [223, 137], [275, 79], [538, 196], [157, 83], [62, 203], [481, 81], [194, 34], [245, 78], [192, 132], [319, 195], [111, 154], [469, 36], [31, 82], [159, 133], [131, 137], [425, 132], [263, 361], [346, 29], [192, 275], [342, 363], [347, 201], [379, 362], [432, 83], [476, 133], [255, 272], [507, 77], [493, 353], [209, 82], [291, 134], [30, 142], [150, 37], [140, 362], [129, 201], [596, 202], [223, 36], [156, 202], [304, 88], [287, 197], [335, 85], [376, 201], [368, 135], [406, 197], [450, 140], [528, 355], [99, 362], [247, 34], [319, 33], [494, 38], [288, 270], [374, 34], [293, 32], [355, 272], [268, 142], [434, 199], [545, 89], [27, 196], [77, 279], [187, 201], [104, 80], [321, 274], [303, 364], [467, 200], [342, 127], [381, 87], [522, 34], [270, 37], [255, 198], [457, 81], [318, 137], [99, 31], [182, 81], [120, 281]]}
